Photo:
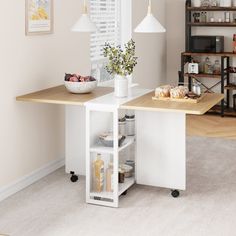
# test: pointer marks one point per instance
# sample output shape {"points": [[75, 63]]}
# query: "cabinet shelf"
{"points": [[212, 24], [122, 188], [230, 87], [109, 150], [202, 75], [211, 8], [220, 54]]}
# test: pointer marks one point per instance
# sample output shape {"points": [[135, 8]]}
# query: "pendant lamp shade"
{"points": [[84, 24], [150, 24]]}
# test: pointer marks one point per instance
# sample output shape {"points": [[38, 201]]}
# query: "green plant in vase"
{"points": [[121, 63]]}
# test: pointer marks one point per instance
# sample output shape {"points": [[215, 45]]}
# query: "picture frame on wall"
{"points": [[39, 17]]}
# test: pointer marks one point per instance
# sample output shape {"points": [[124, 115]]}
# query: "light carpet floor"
{"points": [[56, 207]]}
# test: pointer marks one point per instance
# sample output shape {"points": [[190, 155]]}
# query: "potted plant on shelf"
{"points": [[121, 63]]}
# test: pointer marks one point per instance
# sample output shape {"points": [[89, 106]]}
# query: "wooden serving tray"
{"points": [[186, 100]]}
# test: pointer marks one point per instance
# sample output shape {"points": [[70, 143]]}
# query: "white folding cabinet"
{"points": [[160, 154]]}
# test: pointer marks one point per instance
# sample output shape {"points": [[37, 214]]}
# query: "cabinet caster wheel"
{"points": [[175, 193], [124, 193], [74, 178]]}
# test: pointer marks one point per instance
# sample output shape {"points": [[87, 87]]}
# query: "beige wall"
{"points": [[176, 37], [32, 135], [151, 48]]}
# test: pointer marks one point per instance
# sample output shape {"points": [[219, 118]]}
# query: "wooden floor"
{"points": [[211, 126]]}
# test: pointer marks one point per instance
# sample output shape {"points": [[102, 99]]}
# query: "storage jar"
{"points": [[130, 125]]}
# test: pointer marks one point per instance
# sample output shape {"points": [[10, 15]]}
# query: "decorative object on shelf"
{"points": [[234, 17], [130, 125], [130, 163], [84, 24], [122, 126], [227, 17], [203, 17], [232, 69], [121, 176], [206, 3], [208, 66], [128, 170], [217, 67], [150, 24], [98, 167], [121, 63], [214, 3], [76, 83], [109, 177], [38, 17], [196, 88], [196, 17], [234, 43], [107, 139], [193, 68], [225, 3], [211, 17], [219, 20], [196, 3]]}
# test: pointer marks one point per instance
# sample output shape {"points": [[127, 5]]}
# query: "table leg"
{"points": [[75, 140]]}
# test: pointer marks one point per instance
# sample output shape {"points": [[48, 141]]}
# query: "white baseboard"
{"points": [[29, 179]]}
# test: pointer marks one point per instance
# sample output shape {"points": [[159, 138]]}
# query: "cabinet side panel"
{"points": [[161, 149]]}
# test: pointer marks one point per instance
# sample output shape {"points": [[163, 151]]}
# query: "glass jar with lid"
{"points": [[208, 66], [217, 67], [206, 3]]}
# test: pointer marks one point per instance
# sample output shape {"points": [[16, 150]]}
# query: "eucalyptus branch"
{"points": [[120, 62]]}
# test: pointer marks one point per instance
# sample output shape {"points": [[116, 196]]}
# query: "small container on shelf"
{"points": [[121, 176], [122, 126], [208, 66], [196, 3], [196, 88], [98, 167], [217, 67], [109, 177], [234, 43], [130, 125]]}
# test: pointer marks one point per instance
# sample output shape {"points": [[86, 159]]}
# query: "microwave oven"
{"points": [[209, 44]]}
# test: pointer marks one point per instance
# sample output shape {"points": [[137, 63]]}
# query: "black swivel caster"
{"points": [[175, 193], [124, 193], [74, 178]]}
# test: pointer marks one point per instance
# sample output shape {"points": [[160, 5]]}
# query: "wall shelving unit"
{"points": [[224, 78]]}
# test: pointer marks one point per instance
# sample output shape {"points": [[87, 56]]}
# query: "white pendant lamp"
{"points": [[84, 24], [150, 24]]}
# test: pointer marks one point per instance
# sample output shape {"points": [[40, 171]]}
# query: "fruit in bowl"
{"points": [[76, 83]]}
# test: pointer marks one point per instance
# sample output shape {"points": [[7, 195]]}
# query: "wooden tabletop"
{"points": [[146, 103], [59, 95]]}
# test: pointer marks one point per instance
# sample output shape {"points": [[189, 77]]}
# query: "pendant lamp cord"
{"points": [[85, 7], [150, 7]]}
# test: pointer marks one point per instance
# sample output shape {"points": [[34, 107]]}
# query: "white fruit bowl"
{"points": [[80, 87]]}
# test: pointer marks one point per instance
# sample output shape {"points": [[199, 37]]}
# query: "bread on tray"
{"points": [[163, 91]]}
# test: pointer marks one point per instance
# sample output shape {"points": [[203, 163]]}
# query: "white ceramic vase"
{"points": [[196, 3], [121, 86]]}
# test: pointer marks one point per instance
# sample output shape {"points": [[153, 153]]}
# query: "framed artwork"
{"points": [[38, 17]]}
